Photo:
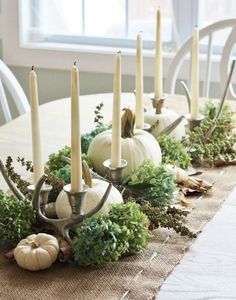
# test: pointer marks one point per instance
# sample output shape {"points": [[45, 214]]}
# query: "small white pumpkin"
{"points": [[92, 197], [37, 252], [136, 146], [164, 119]]}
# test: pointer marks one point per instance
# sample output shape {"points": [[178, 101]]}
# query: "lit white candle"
{"points": [[139, 115], [158, 58], [195, 76], [116, 117], [76, 163], [36, 140]]}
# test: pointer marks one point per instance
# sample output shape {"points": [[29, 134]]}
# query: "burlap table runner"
{"points": [[138, 277]]}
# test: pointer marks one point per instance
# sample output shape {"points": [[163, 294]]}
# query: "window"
{"points": [[93, 30], [93, 22]]}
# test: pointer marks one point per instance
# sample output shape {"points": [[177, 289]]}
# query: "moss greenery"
{"points": [[103, 239], [219, 146], [173, 152], [16, 220], [153, 184]]}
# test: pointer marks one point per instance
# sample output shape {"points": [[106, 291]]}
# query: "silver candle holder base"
{"points": [[76, 199], [158, 103], [43, 195], [146, 127], [115, 174], [194, 123]]}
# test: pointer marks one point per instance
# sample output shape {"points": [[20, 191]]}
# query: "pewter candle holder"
{"points": [[115, 174], [158, 103], [76, 199], [43, 195], [193, 123], [146, 127]]}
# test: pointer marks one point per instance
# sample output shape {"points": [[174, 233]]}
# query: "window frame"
{"points": [[99, 59]]}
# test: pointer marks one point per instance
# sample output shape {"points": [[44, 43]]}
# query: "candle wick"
{"points": [[140, 32], [196, 26], [119, 52], [32, 68], [74, 63]]}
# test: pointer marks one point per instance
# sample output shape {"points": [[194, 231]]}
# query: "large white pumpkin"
{"points": [[36, 252], [93, 196], [142, 145], [165, 118]]}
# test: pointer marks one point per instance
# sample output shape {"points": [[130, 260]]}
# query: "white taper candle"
{"points": [[35, 127], [139, 114], [158, 59], [76, 163], [116, 117]]}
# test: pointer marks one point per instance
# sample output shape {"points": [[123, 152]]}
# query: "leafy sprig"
{"points": [[103, 239], [154, 184], [219, 146], [173, 152], [16, 220]]}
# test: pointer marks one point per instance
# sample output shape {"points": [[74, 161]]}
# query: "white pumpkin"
{"points": [[37, 252], [136, 146], [165, 118], [92, 197], [179, 174], [135, 150]]}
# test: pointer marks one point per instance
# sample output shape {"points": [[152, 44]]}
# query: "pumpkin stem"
{"points": [[159, 105], [86, 174], [127, 124], [34, 245]]}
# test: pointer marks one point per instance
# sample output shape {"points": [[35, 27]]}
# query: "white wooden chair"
{"points": [[208, 32], [9, 81]]}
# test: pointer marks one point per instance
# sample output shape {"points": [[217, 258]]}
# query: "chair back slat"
{"points": [[173, 72], [15, 90], [4, 103], [207, 82]]}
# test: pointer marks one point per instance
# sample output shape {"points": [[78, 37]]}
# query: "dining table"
{"points": [[205, 268]]}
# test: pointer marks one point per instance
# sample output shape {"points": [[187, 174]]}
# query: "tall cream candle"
{"points": [[195, 75], [76, 163], [35, 127], [158, 59], [116, 117], [139, 115]]}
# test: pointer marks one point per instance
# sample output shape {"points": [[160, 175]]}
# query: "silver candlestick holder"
{"points": [[146, 127], [115, 174], [76, 200], [158, 103], [43, 195], [193, 123]]}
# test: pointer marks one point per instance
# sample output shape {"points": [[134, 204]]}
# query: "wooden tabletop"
{"points": [[15, 136]]}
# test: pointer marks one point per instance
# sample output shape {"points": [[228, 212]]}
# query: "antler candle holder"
{"points": [[76, 200], [40, 194], [115, 174]]}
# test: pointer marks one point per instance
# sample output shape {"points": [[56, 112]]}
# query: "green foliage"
{"points": [[173, 152], [154, 184], [63, 173], [167, 218], [99, 240], [136, 222], [16, 219], [219, 146], [55, 162], [102, 239], [87, 138]]}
